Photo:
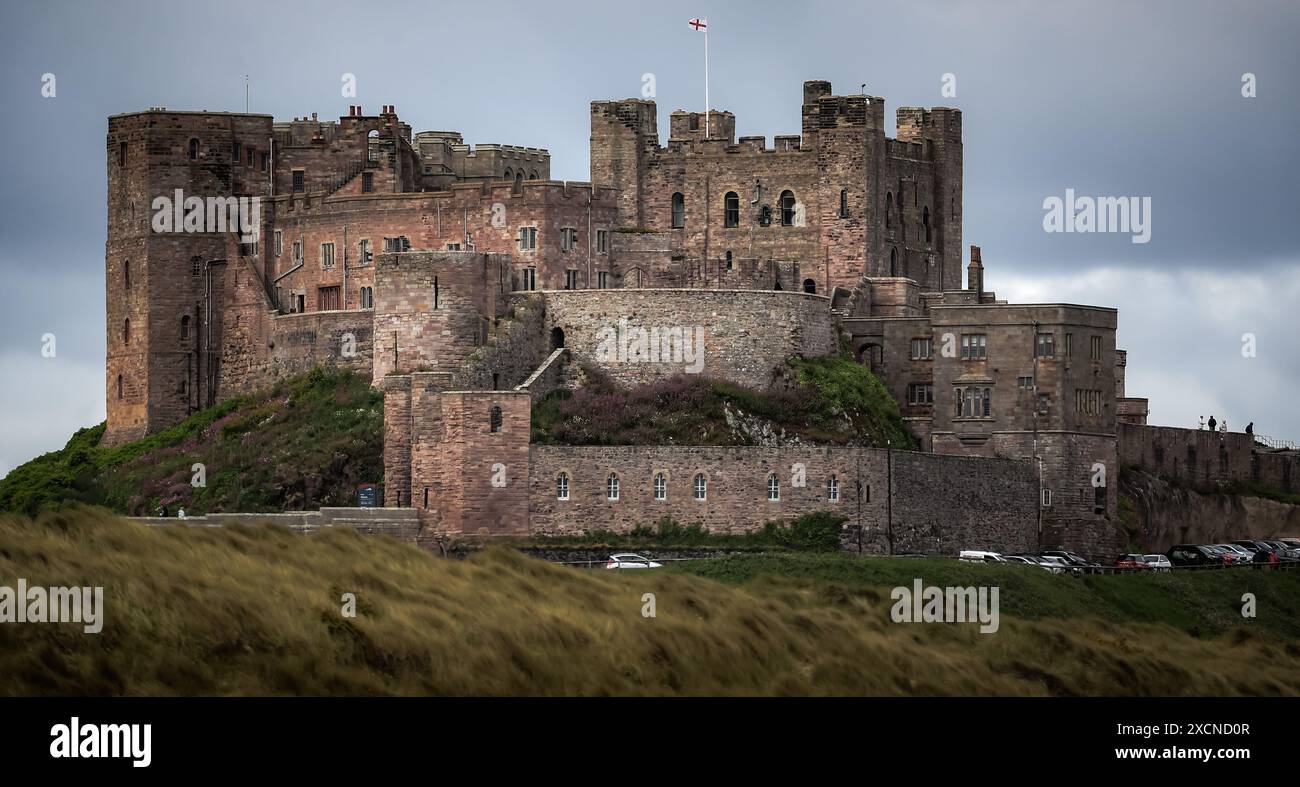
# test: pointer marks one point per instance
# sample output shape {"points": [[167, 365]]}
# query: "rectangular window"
{"points": [[400, 243], [974, 346], [453, 247], [1096, 348], [1044, 346], [367, 182], [920, 393], [1069, 345], [571, 279], [528, 279], [527, 238], [299, 181], [602, 241], [1044, 404], [266, 162], [297, 252], [1099, 500], [568, 239], [327, 255], [279, 242], [300, 302], [250, 157], [922, 349], [1025, 382], [366, 253], [602, 280], [1087, 402], [234, 150]]}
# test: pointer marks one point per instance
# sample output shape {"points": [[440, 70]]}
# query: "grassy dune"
{"points": [[250, 610]]}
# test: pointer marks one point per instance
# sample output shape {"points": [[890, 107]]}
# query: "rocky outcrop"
{"points": [[1164, 514]]}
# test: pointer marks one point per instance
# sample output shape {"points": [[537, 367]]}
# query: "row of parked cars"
{"points": [[1256, 551], [1246, 550]]}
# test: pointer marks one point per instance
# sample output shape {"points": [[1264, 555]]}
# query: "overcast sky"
{"points": [[1106, 98]]}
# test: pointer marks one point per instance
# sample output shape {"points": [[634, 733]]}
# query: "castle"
{"points": [[468, 284]]}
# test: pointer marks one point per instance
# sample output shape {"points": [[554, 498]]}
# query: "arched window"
{"points": [[126, 331], [194, 149], [787, 208], [557, 338], [185, 326], [532, 175], [731, 210], [810, 286], [119, 386], [728, 259], [773, 487], [510, 174], [126, 275], [889, 209], [679, 210], [701, 486], [519, 178], [661, 487], [925, 219], [832, 489], [562, 486], [844, 203], [494, 419], [611, 486], [893, 262]]}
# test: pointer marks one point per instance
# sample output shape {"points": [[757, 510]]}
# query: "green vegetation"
{"points": [[1200, 603], [815, 532], [834, 401], [258, 610], [307, 442]]}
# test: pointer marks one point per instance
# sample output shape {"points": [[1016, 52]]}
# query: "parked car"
{"points": [[1294, 543], [630, 560], [1034, 560], [1074, 559], [1157, 562], [1193, 555], [1243, 555], [1062, 563], [1130, 561], [1284, 551], [1228, 556], [980, 556]]}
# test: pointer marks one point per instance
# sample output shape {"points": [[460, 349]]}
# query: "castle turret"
{"points": [[621, 132]]}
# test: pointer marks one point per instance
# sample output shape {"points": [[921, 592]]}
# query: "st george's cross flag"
{"points": [[699, 24]]}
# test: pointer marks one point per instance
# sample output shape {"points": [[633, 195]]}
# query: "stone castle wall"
{"points": [[746, 334]]}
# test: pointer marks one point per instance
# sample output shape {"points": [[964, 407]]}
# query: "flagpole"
{"points": [[706, 81]]}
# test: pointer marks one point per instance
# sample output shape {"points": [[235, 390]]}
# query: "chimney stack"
{"points": [[975, 273]]}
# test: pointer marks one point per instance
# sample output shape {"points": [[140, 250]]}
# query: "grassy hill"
{"points": [[307, 442], [257, 610], [832, 400]]}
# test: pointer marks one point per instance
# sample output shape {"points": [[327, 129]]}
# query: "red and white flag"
{"points": [[699, 24]]}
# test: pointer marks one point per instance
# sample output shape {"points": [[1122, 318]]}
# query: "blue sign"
{"points": [[366, 496]]}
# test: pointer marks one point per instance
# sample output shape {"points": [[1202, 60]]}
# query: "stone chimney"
{"points": [[975, 273]]}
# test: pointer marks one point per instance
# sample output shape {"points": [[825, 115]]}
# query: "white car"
{"points": [[1033, 561], [980, 556], [630, 560], [1158, 562]]}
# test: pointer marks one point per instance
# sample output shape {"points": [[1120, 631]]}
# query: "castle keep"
{"points": [[467, 284]]}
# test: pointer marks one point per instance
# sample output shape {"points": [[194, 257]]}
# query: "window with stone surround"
{"points": [[1025, 382], [562, 486], [602, 280], [185, 326], [925, 219], [701, 486], [1095, 348], [679, 210], [126, 275], [367, 297], [527, 238], [494, 419], [889, 209], [922, 349], [528, 279], [568, 239], [974, 346], [126, 331], [920, 393], [571, 279], [1099, 500], [119, 386], [194, 149], [327, 255], [974, 402], [367, 182], [299, 181], [773, 487], [661, 486], [1044, 345], [279, 242], [731, 210], [832, 489], [611, 487], [844, 203], [787, 208], [367, 253], [602, 241]]}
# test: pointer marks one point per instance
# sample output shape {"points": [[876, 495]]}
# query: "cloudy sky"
{"points": [[1105, 98]]}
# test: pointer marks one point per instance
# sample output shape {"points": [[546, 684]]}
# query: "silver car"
{"points": [[631, 560]]}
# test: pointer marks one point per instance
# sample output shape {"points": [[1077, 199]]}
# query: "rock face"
{"points": [[1166, 514]]}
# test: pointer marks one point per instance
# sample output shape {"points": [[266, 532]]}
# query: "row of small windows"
{"points": [[974, 347], [731, 209], [699, 485], [519, 176], [239, 154]]}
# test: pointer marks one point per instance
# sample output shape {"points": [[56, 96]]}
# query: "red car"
{"points": [[1131, 561]]}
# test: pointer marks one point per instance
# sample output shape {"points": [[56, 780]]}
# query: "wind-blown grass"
{"points": [[257, 610]]}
